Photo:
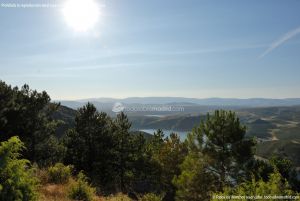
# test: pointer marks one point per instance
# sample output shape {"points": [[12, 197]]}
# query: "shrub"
{"points": [[81, 190], [59, 173], [276, 185], [17, 181], [42, 174], [151, 197], [118, 197]]}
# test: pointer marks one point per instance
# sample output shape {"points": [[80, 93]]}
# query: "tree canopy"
{"points": [[17, 182], [27, 113]]}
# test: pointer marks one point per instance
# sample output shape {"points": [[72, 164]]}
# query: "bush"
{"points": [[17, 181], [81, 190], [118, 197], [276, 185], [151, 197], [42, 174], [59, 173]]}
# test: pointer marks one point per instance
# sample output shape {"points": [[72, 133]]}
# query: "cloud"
{"points": [[281, 41]]}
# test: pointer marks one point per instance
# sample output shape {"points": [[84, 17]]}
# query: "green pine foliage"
{"points": [[104, 148], [222, 139], [28, 114], [195, 181], [218, 157], [288, 171], [169, 156], [90, 145], [123, 151], [17, 182]]}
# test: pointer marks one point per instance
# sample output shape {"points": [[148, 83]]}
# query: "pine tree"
{"points": [[222, 139], [124, 149], [90, 145], [218, 157], [27, 113]]}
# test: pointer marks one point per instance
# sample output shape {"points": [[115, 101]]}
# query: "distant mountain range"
{"points": [[221, 102]]}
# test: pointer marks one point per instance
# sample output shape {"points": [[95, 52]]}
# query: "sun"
{"points": [[81, 15]]}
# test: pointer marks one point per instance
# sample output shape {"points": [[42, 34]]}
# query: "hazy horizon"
{"points": [[95, 98]]}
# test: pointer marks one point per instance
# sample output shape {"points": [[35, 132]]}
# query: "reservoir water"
{"points": [[182, 134]]}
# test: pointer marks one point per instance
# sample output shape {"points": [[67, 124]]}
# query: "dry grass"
{"points": [[54, 192], [59, 192], [117, 197]]}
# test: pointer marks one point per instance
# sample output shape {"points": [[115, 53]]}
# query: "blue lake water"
{"points": [[182, 134]]}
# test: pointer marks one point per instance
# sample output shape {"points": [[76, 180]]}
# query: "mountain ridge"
{"points": [[242, 102]]}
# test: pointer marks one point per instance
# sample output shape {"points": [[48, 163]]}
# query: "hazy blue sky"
{"points": [[188, 48]]}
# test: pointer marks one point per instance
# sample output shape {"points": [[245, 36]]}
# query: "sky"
{"points": [[139, 48]]}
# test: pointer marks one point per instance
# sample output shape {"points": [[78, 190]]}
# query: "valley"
{"points": [[276, 128]]}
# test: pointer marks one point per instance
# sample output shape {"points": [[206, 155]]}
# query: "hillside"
{"points": [[285, 148], [277, 128], [179, 122], [103, 155], [251, 102], [267, 123], [67, 116]]}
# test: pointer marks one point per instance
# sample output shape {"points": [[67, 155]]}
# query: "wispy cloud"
{"points": [[281, 41]]}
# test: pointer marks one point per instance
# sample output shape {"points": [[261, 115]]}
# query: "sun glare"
{"points": [[81, 15]]}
